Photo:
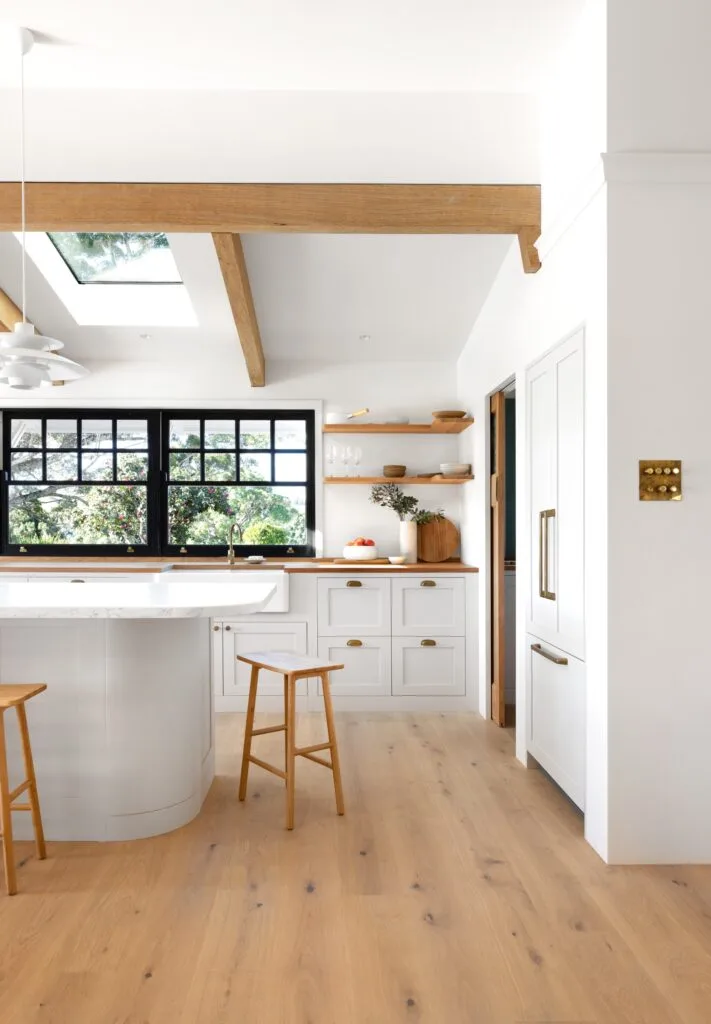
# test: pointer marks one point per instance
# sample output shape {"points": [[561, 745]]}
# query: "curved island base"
{"points": [[123, 736]]}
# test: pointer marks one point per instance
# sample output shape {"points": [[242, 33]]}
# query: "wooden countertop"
{"points": [[121, 564]]}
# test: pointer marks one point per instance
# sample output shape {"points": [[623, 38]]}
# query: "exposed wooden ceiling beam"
{"points": [[235, 208], [234, 272], [10, 314]]}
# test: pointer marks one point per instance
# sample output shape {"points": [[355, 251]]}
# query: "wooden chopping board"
{"points": [[360, 561], [437, 541]]}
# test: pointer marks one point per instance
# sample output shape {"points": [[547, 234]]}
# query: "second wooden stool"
{"points": [[14, 696], [293, 667]]}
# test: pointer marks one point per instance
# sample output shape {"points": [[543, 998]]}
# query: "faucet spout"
{"points": [[230, 546]]}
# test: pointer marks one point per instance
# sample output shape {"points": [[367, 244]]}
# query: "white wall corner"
{"points": [[577, 199]]}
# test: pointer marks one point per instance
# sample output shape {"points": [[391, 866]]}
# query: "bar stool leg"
{"points": [[249, 726], [290, 746], [8, 850], [32, 779], [286, 731], [330, 725]]}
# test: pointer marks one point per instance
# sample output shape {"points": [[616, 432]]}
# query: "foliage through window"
{"points": [[85, 482], [128, 257]]}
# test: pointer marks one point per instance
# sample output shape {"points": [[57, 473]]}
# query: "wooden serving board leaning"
{"points": [[437, 540]]}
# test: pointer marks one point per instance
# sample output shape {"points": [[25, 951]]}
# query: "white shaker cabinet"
{"points": [[428, 665], [556, 463], [428, 605], [233, 638], [366, 661], [356, 605]]}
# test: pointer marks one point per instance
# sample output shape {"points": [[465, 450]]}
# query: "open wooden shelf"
{"points": [[412, 481], [435, 427]]}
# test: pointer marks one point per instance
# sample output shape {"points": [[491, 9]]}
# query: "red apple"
{"points": [[369, 543]]}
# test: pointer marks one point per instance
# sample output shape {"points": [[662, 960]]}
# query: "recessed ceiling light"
{"points": [[363, 337], [144, 337]]}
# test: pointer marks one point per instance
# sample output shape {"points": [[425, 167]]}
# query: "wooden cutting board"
{"points": [[360, 561], [437, 541]]}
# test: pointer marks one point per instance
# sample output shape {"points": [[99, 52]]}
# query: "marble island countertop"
{"points": [[137, 599]]}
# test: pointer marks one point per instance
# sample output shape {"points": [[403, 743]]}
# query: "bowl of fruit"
{"points": [[360, 550]]}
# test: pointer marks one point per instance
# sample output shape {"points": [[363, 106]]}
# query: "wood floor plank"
{"points": [[457, 888]]}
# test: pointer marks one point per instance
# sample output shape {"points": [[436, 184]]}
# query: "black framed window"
{"points": [[80, 481], [254, 469], [150, 482]]}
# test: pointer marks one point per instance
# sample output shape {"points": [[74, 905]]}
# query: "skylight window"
{"points": [[117, 258]]}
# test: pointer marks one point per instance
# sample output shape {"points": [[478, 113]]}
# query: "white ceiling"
{"points": [[417, 298], [373, 45]]}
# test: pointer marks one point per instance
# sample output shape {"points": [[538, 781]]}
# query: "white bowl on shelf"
{"points": [[397, 559], [359, 552], [455, 468], [254, 559]]}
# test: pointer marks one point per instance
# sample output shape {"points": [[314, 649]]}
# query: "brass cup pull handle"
{"points": [[77, 581], [354, 643], [538, 649], [428, 583], [354, 583], [428, 643]]}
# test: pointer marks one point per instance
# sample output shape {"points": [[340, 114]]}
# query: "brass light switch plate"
{"points": [[660, 480]]}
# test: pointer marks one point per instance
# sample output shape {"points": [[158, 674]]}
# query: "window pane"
{"points": [[255, 434], [26, 433], [78, 515], [203, 514], [125, 257], [61, 433], [95, 466], [185, 433], [220, 467], [132, 466], [26, 466], [97, 434], [255, 467], [290, 467], [219, 433], [185, 466], [62, 466], [132, 433], [290, 434]]}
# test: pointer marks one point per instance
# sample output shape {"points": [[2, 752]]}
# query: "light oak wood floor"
{"points": [[457, 890]]}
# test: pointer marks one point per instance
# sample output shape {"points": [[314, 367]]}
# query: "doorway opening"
{"points": [[503, 555]]}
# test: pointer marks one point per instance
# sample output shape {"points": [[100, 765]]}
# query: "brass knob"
{"points": [[183, 551], [215, 629], [428, 643], [662, 489], [130, 550], [354, 583], [227, 629], [354, 643], [23, 549]]}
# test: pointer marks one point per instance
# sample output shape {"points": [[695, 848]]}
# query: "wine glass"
{"points": [[348, 458], [357, 456], [333, 453]]}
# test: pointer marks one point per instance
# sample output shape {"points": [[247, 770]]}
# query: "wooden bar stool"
{"points": [[14, 696], [293, 667]]}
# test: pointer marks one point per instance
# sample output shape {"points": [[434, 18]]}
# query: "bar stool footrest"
{"points": [[267, 767], [18, 792]]}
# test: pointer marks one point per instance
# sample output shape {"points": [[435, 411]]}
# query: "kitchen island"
{"points": [[123, 736]]}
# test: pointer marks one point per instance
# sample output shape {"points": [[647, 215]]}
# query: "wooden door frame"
{"points": [[497, 502]]}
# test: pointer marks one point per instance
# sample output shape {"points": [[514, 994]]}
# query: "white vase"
{"points": [[408, 540]]}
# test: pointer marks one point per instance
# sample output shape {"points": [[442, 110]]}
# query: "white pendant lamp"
{"points": [[29, 360]]}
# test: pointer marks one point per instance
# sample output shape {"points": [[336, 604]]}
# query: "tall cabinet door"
{"points": [[556, 464]]}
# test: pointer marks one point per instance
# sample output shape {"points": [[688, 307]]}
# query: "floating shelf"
{"points": [[412, 481], [435, 427]]}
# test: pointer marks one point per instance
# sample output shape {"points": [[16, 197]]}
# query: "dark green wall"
{"points": [[510, 542]]}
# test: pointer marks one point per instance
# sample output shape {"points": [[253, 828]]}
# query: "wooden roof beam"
{"points": [[234, 273]]}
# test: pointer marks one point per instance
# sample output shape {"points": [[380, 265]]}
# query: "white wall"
{"points": [[411, 389], [523, 317]]}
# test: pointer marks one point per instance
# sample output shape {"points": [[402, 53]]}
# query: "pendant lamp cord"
{"points": [[22, 184]]}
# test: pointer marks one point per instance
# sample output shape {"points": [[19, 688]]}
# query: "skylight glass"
{"points": [[117, 258]]}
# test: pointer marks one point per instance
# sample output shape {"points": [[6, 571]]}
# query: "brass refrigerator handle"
{"points": [[538, 649], [543, 554]]}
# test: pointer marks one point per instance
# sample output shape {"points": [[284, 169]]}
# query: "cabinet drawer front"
{"points": [[428, 606], [367, 668], [240, 638], [556, 716], [356, 605], [425, 666]]}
